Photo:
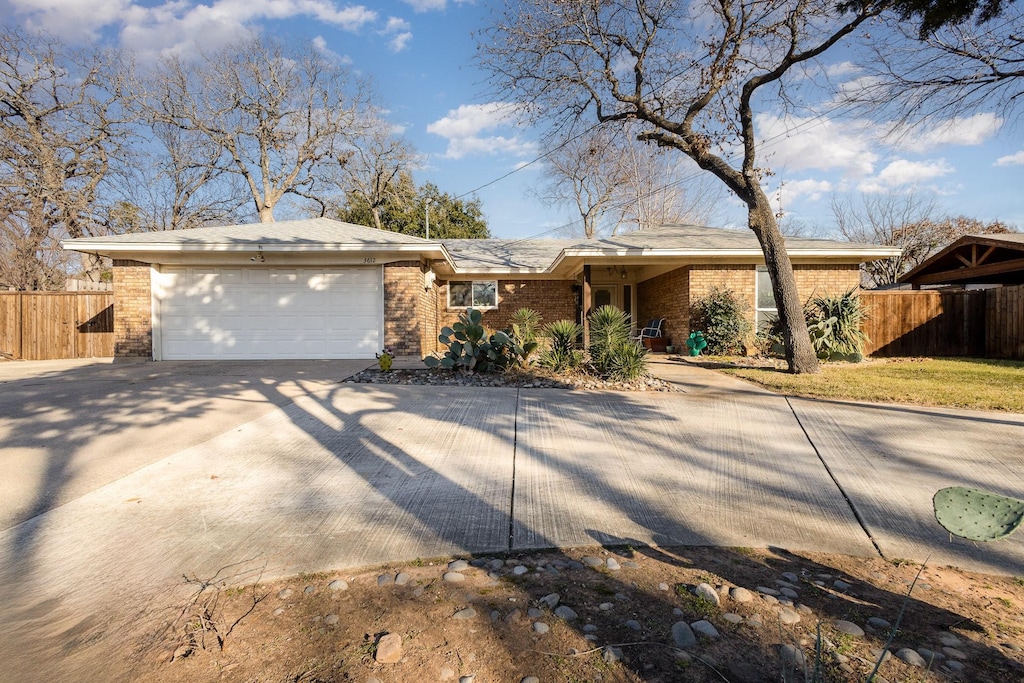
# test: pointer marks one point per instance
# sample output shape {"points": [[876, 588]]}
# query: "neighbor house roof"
{"points": [[557, 257], [974, 259]]}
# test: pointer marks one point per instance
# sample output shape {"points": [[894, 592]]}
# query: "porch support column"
{"points": [[586, 307]]}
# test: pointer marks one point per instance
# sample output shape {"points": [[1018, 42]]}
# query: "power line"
{"points": [[531, 162], [767, 142]]}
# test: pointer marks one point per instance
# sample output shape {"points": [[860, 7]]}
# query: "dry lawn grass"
{"points": [[967, 383]]}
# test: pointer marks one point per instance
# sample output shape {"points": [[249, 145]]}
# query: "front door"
{"points": [[605, 295]]}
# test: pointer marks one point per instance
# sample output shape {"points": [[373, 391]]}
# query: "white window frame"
{"points": [[472, 294], [759, 311]]}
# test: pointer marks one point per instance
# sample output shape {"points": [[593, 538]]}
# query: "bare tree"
{"points": [[614, 181], [694, 73], [660, 188], [59, 128], [276, 113], [882, 219], [587, 171], [188, 181], [906, 221], [955, 69], [370, 167]]}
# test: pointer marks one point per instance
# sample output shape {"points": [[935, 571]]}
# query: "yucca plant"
{"points": [[562, 354], [628, 361], [609, 330], [525, 325]]}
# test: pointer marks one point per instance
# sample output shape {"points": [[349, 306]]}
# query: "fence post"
{"points": [[21, 326]]}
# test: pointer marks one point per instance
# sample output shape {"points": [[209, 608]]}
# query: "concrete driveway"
{"points": [[69, 427], [264, 470]]}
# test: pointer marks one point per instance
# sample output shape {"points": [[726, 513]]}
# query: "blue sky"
{"points": [[420, 55]]}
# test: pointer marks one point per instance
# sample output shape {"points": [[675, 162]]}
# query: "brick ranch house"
{"points": [[320, 288]]}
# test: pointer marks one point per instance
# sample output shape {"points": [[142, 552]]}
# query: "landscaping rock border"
{"points": [[534, 379]]}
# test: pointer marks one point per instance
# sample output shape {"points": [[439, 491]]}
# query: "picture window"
{"points": [[475, 294]]}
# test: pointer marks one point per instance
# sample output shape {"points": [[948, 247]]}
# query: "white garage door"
{"points": [[250, 312]]}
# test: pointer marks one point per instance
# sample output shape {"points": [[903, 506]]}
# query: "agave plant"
{"points": [[836, 326]]}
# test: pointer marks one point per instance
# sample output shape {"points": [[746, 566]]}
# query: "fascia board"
{"points": [[723, 254]]}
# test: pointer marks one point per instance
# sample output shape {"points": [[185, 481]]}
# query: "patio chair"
{"points": [[653, 330]]}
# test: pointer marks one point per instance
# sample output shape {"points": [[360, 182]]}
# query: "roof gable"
{"points": [[974, 259]]}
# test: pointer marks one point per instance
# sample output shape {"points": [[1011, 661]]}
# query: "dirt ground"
{"points": [[482, 630]]}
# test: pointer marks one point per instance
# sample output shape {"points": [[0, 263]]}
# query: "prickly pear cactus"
{"points": [[977, 515]]}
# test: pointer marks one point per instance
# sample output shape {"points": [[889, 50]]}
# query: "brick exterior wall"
{"points": [[818, 280], [133, 310], [405, 308], [666, 296], [552, 299], [671, 295], [740, 279]]}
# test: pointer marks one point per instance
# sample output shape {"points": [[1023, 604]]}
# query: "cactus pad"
{"points": [[977, 515]]}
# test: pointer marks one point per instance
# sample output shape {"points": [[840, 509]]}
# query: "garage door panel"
{"points": [[209, 313]]}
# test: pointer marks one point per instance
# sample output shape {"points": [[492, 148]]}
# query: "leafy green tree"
{"points": [[404, 211], [935, 14]]}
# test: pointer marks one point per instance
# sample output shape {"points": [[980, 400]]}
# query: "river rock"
{"points": [[389, 649]]}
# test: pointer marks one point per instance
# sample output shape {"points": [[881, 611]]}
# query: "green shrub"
{"points": [[561, 354], [723, 318], [835, 324]]}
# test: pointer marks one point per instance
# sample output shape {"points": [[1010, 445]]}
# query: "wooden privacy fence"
{"points": [[51, 325], [980, 323], [1004, 322]]}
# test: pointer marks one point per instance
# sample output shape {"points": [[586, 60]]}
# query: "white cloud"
{"points": [[426, 5], [842, 69], [796, 143], [70, 18], [400, 42], [463, 126], [1011, 159], [902, 172], [960, 130], [321, 45], [177, 26], [396, 24], [399, 30], [809, 189]]}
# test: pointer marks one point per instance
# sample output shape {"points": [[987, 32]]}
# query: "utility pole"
{"points": [[427, 206]]}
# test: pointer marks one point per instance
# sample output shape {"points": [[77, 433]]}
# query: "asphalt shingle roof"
{"points": [[311, 231], [470, 255]]}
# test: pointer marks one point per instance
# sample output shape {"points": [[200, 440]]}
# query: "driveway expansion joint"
{"points": [[839, 487], [512, 492]]}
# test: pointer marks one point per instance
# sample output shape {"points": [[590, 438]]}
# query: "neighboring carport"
{"points": [[973, 260]]}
